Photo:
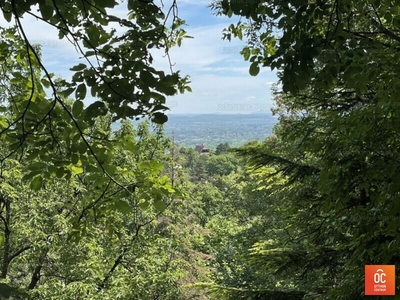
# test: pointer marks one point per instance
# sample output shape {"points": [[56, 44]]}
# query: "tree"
{"points": [[222, 148], [86, 238], [336, 132], [223, 164], [78, 202], [331, 41], [117, 69]]}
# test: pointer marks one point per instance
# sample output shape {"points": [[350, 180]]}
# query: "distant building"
{"points": [[202, 149]]}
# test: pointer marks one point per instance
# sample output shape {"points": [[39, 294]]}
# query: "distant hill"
{"points": [[213, 129]]}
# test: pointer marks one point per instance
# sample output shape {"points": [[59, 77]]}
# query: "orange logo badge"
{"points": [[380, 280]]}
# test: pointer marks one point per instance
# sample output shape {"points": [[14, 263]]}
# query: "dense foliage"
{"points": [[87, 212], [36, 118], [335, 146]]}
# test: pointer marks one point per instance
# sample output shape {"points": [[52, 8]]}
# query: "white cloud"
{"points": [[211, 92], [205, 49]]}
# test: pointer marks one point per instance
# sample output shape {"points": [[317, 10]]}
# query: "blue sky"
{"points": [[219, 76]]}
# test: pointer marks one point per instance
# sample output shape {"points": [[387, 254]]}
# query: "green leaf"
{"points": [[110, 169], [100, 181], [81, 92], [67, 92], [76, 138], [156, 165], [77, 108], [7, 16], [166, 89], [15, 146], [93, 109], [36, 183], [254, 69], [52, 170], [160, 205], [82, 147], [31, 175], [389, 17], [45, 83], [239, 34], [144, 165], [76, 170], [46, 11], [229, 12], [130, 146], [79, 67], [32, 155], [60, 172], [246, 53], [92, 169], [159, 118], [3, 124], [143, 204], [37, 166], [75, 159], [148, 78], [123, 206]]}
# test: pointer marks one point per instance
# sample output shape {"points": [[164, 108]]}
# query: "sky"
{"points": [[219, 76]]}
